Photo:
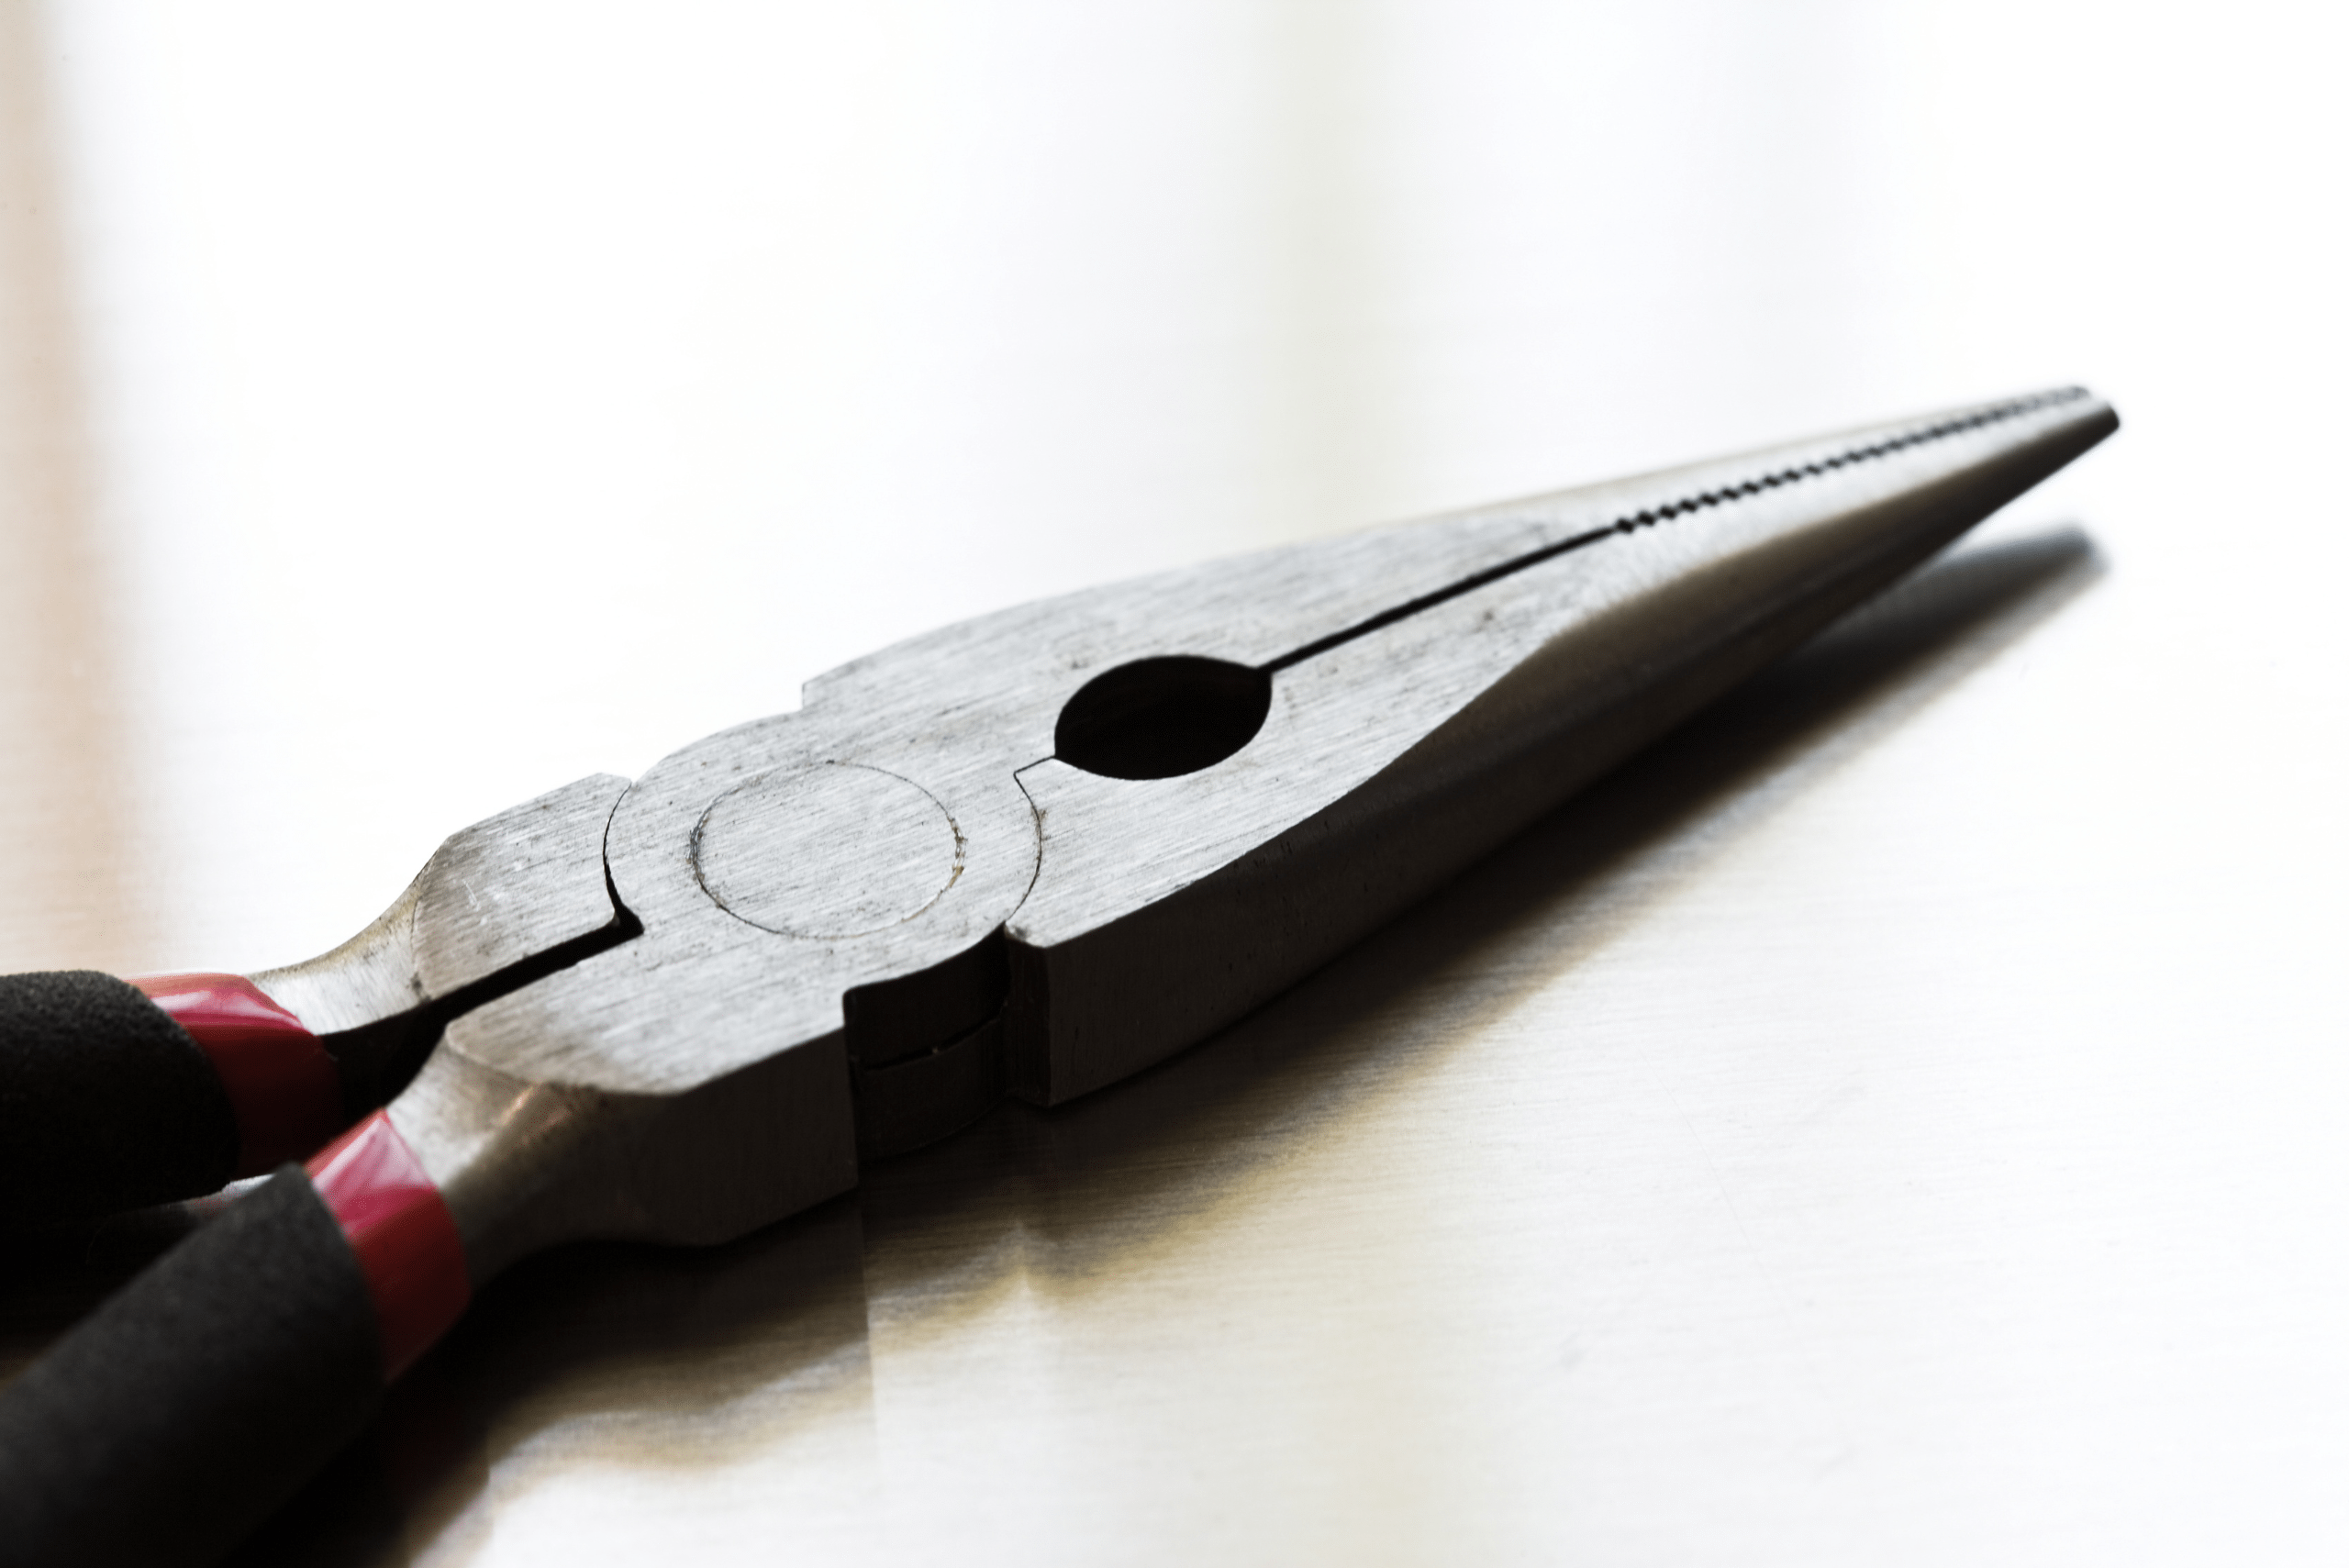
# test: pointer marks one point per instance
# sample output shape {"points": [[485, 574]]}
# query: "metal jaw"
{"points": [[503, 903], [1041, 850]]}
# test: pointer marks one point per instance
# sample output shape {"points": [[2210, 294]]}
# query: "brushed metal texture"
{"points": [[495, 895]]}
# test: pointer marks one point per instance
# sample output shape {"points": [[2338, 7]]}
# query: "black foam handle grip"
{"points": [[188, 1408], [105, 1103]]}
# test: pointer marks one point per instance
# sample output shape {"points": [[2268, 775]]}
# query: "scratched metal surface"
{"points": [[1897, 1119]]}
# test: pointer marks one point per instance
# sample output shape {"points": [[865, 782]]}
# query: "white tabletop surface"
{"points": [[1904, 1118]]}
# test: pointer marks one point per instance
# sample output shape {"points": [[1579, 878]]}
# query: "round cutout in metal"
{"points": [[1158, 718]]}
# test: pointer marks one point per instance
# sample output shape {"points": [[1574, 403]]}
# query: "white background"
{"points": [[1922, 1143]]}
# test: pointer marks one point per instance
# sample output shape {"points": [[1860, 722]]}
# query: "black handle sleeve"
{"points": [[189, 1406], [105, 1103]]}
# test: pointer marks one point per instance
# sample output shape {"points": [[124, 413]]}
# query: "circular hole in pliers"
{"points": [[1156, 719]]}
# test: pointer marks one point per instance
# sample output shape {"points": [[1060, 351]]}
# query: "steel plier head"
{"points": [[1028, 854]]}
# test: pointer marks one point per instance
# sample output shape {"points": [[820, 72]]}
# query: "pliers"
{"points": [[1029, 854]]}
